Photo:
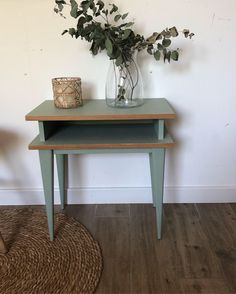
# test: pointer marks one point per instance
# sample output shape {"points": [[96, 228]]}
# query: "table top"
{"points": [[153, 108]]}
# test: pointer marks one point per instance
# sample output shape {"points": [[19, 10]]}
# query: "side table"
{"points": [[97, 128]]}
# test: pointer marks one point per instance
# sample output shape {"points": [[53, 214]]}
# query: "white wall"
{"points": [[201, 87]]}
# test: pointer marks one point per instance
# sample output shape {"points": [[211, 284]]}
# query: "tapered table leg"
{"points": [[157, 159], [47, 169], [152, 179], [3, 248], [61, 177]]}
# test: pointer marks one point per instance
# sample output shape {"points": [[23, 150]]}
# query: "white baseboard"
{"points": [[121, 195]]}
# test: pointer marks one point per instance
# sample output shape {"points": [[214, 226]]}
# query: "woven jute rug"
{"points": [[72, 263]]}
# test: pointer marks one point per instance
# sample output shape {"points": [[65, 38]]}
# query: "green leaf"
{"points": [[85, 2], [72, 32], [164, 53], [166, 33], [157, 55], [166, 42], [126, 34], [159, 46], [114, 8], [149, 49], [74, 8], [94, 48], [124, 15], [60, 2], [191, 35], [88, 18], [109, 46], [129, 24], [159, 36], [119, 60], [94, 10], [173, 32], [115, 54], [117, 17], [91, 5], [167, 55], [60, 6], [78, 33], [186, 33], [81, 22], [79, 12], [85, 5], [152, 39], [174, 55], [100, 4], [87, 32]]}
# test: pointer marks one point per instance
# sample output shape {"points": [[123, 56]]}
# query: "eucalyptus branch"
{"points": [[116, 36], [104, 18], [129, 74], [136, 71]]}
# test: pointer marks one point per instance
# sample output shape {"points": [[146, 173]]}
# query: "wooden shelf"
{"points": [[71, 136]]}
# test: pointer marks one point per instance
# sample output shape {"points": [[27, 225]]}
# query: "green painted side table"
{"points": [[96, 128]]}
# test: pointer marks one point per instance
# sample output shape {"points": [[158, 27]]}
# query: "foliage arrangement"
{"points": [[107, 29]]}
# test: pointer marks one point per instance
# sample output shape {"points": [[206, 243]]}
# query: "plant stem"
{"points": [[131, 79]]}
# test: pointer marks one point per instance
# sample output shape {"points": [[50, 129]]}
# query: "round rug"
{"points": [[72, 263]]}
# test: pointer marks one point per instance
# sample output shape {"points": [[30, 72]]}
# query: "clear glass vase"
{"points": [[124, 87]]}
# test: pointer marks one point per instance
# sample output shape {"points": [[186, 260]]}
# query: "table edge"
{"points": [[100, 117]]}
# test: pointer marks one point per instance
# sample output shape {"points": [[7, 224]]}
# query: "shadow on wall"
{"points": [[10, 159], [8, 143]]}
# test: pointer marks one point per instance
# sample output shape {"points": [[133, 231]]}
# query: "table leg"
{"points": [[47, 169], [152, 179], [157, 169], [61, 177]]}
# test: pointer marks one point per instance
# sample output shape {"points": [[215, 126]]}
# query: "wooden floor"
{"points": [[196, 255]]}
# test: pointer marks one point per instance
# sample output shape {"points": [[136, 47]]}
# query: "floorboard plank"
{"points": [[205, 286], [197, 258], [233, 206], [84, 214], [112, 210], [145, 272], [113, 236], [219, 223]]}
